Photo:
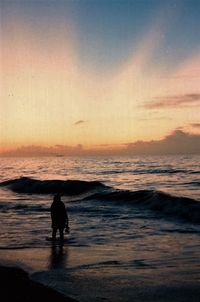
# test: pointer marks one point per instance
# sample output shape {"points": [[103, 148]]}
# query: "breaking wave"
{"points": [[184, 208], [65, 187]]}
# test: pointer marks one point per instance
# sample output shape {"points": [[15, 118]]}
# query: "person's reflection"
{"points": [[58, 257]]}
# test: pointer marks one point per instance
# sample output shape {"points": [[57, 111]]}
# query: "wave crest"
{"points": [[186, 209], [65, 187]]}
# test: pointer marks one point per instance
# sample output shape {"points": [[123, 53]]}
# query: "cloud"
{"points": [[195, 125], [178, 142], [174, 101], [57, 150], [155, 118], [79, 122]]}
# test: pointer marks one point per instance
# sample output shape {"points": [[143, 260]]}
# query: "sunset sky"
{"points": [[98, 73]]}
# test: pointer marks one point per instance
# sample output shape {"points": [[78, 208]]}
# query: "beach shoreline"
{"points": [[107, 281]]}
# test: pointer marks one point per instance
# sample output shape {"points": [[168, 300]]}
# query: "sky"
{"points": [[102, 76]]}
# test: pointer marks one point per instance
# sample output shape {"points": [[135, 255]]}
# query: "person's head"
{"points": [[57, 198]]}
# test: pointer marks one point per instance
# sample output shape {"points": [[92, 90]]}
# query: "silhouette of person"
{"points": [[59, 217]]}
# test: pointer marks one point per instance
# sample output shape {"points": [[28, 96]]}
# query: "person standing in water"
{"points": [[59, 217]]}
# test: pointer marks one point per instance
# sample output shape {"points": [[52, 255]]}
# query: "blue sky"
{"points": [[107, 31]]}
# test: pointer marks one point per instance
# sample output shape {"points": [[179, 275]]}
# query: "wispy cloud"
{"points": [[174, 101], [79, 122], [155, 118]]}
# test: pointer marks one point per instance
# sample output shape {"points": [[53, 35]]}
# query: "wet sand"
{"points": [[88, 275]]}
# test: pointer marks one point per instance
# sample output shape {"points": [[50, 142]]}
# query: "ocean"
{"points": [[128, 216]]}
